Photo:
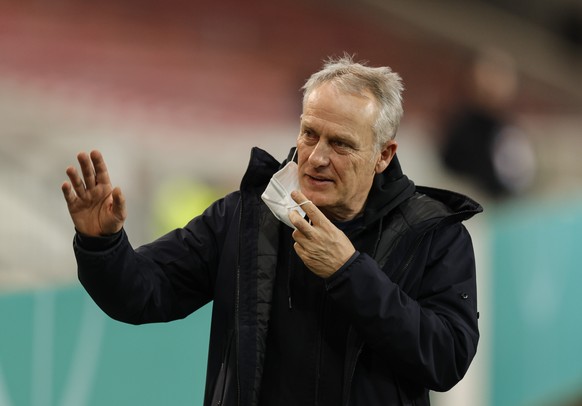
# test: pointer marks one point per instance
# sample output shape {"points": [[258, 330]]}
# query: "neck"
{"points": [[344, 214]]}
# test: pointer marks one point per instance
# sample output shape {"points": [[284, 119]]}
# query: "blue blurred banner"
{"points": [[537, 351], [58, 348]]}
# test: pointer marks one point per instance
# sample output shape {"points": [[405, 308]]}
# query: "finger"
{"points": [[76, 181], [299, 250], [101, 172], [87, 170], [314, 214], [300, 224], [68, 193]]}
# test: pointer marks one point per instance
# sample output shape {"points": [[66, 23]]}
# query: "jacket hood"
{"points": [[460, 207], [389, 189], [260, 169], [392, 187]]}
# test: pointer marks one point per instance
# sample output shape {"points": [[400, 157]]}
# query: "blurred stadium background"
{"points": [[176, 93]]}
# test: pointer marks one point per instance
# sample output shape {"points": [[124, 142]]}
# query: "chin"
{"points": [[320, 201]]}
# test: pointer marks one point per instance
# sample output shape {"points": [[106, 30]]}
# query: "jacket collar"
{"points": [[260, 169], [389, 189]]}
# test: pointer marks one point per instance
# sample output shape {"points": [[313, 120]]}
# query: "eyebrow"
{"points": [[348, 140]]}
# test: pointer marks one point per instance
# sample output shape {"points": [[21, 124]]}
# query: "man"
{"points": [[370, 299]]}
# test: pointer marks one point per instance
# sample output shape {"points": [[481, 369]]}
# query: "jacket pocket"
{"points": [[224, 384]]}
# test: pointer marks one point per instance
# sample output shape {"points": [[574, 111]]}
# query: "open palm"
{"points": [[96, 208]]}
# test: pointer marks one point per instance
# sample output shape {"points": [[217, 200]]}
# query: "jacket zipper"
{"points": [[319, 348], [352, 367], [236, 303], [222, 374], [236, 329]]}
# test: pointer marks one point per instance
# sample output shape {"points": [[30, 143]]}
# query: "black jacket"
{"points": [[410, 292]]}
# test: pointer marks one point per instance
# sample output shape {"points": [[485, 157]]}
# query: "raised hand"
{"points": [[96, 208], [322, 247]]}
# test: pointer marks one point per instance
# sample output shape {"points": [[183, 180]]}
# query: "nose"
{"points": [[320, 155]]}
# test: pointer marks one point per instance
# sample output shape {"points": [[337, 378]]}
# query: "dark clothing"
{"points": [[469, 148], [402, 311], [307, 333]]}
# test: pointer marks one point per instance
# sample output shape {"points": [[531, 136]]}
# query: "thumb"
{"points": [[118, 207]]}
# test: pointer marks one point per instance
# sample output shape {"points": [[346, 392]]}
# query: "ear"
{"points": [[386, 154]]}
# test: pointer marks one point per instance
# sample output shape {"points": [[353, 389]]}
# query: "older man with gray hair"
{"points": [[334, 279]]}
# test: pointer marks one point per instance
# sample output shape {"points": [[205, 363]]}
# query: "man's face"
{"points": [[336, 151]]}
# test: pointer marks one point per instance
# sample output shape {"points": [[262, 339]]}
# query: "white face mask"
{"points": [[277, 195]]}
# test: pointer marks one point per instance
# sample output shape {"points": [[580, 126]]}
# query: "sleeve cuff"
{"points": [[330, 281], [96, 244]]}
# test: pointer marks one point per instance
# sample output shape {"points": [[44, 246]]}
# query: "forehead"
{"points": [[331, 108]]}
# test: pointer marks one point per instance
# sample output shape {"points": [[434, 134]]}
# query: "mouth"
{"points": [[318, 180]]}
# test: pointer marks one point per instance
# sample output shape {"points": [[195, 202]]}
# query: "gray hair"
{"points": [[356, 78]]}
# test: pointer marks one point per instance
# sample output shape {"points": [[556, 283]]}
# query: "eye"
{"points": [[309, 136], [341, 146]]}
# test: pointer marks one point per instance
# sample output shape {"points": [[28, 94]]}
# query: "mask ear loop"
{"points": [[294, 154], [302, 203], [299, 205]]}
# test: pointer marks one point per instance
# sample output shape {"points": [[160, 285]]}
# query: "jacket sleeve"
{"points": [[165, 280], [428, 335]]}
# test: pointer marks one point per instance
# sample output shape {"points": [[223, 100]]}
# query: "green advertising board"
{"points": [[58, 348], [537, 299]]}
